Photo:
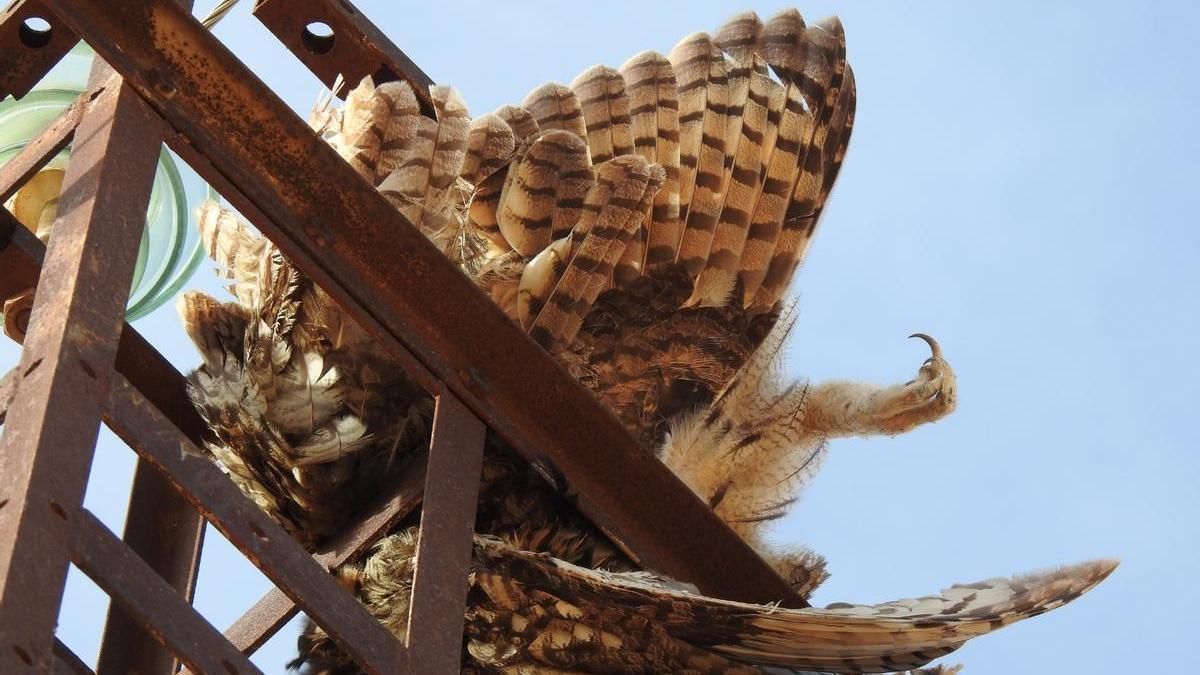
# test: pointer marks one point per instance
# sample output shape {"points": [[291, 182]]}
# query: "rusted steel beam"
{"points": [[394, 504], [8, 389], [259, 538], [26, 54], [18, 270], [144, 595], [439, 592], [357, 246], [165, 531], [66, 364], [275, 609], [21, 256], [67, 663], [56, 136], [353, 48], [161, 526], [259, 623]]}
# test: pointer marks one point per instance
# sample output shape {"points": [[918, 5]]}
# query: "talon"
{"points": [[933, 346]]}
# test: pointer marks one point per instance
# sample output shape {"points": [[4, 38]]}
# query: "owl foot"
{"points": [[928, 398]]}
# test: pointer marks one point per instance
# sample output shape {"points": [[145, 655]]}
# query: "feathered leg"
{"points": [[840, 408]]}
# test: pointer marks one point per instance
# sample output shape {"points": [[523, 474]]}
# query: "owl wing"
{"points": [[596, 611], [748, 162]]}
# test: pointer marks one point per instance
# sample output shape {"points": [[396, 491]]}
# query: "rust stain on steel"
{"points": [[8, 389], [149, 371], [274, 609], [260, 539], [56, 136], [161, 526], [163, 530], [373, 262], [445, 538], [153, 602], [48, 442], [26, 54], [259, 623], [18, 271], [354, 47]]}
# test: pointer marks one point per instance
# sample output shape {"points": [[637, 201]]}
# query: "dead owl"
{"points": [[643, 225]]}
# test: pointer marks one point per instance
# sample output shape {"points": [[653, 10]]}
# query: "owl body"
{"points": [[642, 225]]}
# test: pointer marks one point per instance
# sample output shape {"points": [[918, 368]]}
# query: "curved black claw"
{"points": [[933, 347]]}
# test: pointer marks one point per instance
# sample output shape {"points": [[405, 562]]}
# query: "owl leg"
{"points": [[841, 408]]}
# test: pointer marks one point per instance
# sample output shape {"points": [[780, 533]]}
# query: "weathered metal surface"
{"points": [[275, 609], [328, 221], [26, 55], [8, 225], [152, 601], [21, 257], [394, 503], [47, 446], [264, 618], [17, 310], [42, 148], [439, 593], [161, 527], [166, 532], [260, 539], [8, 388], [353, 48], [18, 270], [67, 663]]}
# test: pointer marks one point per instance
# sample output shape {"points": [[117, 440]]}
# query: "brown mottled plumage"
{"points": [[743, 182], [654, 111], [822, 79], [544, 191], [555, 106], [601, 94], [642, 226], [699, 64], [535, 613]]}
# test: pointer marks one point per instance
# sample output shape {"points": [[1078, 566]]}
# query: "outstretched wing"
{"points": [[575, 611]]}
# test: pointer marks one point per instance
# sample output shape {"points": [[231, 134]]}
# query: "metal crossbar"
{"points": [[175, 84]]}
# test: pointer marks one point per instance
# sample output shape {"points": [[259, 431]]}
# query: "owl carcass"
{"points": [[642, 225]]}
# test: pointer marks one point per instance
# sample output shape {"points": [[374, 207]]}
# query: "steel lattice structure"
{"points": [[165, 80]]}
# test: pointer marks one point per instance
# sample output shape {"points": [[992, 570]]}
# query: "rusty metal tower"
{"points": [[166, 80]]}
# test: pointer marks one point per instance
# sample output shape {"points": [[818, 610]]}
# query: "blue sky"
{"points": [[1021, 185]]}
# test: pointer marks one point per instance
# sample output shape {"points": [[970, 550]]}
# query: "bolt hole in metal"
{"points": [[58, 510], [35, 32], [23, 655], [318, 38], [32, 367]]}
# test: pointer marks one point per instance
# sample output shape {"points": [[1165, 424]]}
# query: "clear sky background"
{"points": [[1021, 185]]}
